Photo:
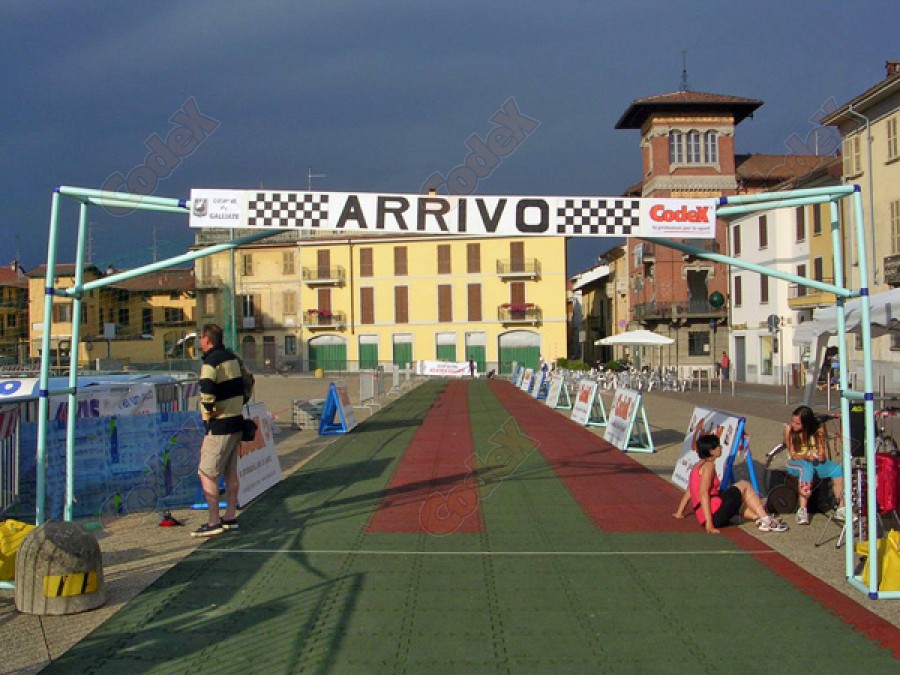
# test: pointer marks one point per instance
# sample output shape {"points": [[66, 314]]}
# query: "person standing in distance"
{"points": [[221, 406], [725, 366]]}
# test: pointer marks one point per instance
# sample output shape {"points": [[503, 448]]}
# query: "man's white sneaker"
{"points": [[802, 517]]}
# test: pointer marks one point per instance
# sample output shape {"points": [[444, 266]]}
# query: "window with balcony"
{"points": [[801, 272]]}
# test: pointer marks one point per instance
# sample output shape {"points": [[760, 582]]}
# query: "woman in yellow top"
{"points": [[804, 438]]}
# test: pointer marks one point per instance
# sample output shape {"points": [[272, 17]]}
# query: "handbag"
{"points": [[248, 430]]}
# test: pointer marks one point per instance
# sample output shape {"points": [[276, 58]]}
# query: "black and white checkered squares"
{"points": [[616, 217], [287, 209]]}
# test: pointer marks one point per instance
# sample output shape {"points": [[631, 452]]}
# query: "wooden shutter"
{"points": [[400, 266], [367, 305], [323, 264], [517, 293], [445, 303], [473, 291], [443, 258], [401, 304], [473, 258], [366, 266], [517, 256]]}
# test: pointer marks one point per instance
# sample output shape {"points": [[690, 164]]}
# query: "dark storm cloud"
{"points": [[378, 96]]}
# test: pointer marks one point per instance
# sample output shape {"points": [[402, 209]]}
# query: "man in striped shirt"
{"points": [[221, 405]]}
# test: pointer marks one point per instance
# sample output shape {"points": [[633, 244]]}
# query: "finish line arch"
{"points": [[266, 213]]}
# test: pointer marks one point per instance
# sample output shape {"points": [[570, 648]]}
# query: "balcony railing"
{"points": [[522, 314], [319, 319], [519, 268], [324, 276], [684, 309]]}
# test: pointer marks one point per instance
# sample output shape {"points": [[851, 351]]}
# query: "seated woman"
{"points": [[715, 509], [804, 439]]}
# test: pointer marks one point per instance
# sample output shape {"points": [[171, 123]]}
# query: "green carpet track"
{"points": [[303, 587]]}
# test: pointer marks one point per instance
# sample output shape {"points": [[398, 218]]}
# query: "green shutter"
{"points": [[446, 352], [529, 357], [402, 353], [368, 356], [327, 357]]}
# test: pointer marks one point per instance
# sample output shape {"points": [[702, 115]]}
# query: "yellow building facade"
{"points": [[341, 304]]}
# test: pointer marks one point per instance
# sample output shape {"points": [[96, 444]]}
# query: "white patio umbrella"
{"points": [[636, 338], [641, 338]]}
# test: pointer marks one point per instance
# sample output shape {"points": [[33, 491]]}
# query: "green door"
{"points": [[477, 352], [402, 353], [368, 356], [446, 352], [529, 357], [327, 356]]}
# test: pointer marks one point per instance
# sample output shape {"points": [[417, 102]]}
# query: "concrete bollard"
{"points": [[59, 570]]}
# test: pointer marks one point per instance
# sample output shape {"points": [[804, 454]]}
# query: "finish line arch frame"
{"points": [[533, 216]]}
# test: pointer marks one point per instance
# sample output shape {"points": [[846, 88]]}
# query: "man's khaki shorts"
{"points": [[218, 454]]}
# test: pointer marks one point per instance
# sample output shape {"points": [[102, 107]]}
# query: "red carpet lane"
{"points": [[434, 489]]}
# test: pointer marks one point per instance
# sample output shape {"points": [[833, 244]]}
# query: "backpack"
{"points": [[247, 377]]}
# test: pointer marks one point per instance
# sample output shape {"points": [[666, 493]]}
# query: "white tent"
{"points": [[641, 338], [884, 314]]}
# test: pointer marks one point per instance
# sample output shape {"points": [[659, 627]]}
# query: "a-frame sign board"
{"points": [[627, 428], [731, 430], [527, 381], [337, 415], [541, 382], [588, 408], [556, 391]]}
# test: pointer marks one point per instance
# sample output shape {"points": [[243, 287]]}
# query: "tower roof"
{"points": [[693, 102]]}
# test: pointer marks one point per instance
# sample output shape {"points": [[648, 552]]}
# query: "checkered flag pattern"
{"points": [[617, 217], [287, 209]]}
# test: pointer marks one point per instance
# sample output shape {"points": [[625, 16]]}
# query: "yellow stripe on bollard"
{"points": [[67, 585]]}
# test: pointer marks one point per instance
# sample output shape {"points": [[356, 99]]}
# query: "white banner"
{"points": [[502, 216], [443, 368], [258, 465]]}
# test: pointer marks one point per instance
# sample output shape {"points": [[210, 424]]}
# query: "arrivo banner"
{"points": [[502, 216]]}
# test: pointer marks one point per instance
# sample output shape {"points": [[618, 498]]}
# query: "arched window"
{"points": [[693, 147], [711, 149], [676, 149]]}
